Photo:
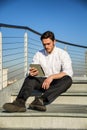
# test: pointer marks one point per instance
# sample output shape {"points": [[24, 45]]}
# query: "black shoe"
{"points": [[37, 104], [16, 106]]}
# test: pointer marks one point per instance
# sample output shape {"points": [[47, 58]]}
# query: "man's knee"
{"points": [[68, 79], [68, 82]]}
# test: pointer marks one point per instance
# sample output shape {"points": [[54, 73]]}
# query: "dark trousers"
{"points": [[57, 87]]}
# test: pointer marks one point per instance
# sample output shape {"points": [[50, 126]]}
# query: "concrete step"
{"points": [[9, 93], [67, 112], [62, 117], [75, 87], [76, 94], [80, 100], [37, 129]]}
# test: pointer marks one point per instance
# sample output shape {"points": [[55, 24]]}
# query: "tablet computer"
{"points": [[39, 68]]}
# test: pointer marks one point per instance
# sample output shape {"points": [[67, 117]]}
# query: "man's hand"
{"points": [[33, 71], [47, 82]]}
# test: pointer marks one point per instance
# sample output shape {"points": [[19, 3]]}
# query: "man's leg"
{"points": [[57, 87], [29, 84]]}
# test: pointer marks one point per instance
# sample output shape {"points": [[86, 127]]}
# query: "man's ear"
{"points": [[54, 42]]}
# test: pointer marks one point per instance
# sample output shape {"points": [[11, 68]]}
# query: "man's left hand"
{"points": [[47, 82]]}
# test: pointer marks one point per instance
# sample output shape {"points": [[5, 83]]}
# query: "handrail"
{"points": [[19, 27], [71, 44], [27, 28]]}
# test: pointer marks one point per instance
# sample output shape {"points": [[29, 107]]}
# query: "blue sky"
{"points": [[66, 18]]}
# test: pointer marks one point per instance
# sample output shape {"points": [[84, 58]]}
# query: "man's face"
{"points": [[48, 44]]}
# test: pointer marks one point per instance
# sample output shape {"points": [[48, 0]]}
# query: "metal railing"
{"points": [[18, 44]]}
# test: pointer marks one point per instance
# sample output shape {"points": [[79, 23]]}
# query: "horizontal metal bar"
{"points": [[19, 27]]}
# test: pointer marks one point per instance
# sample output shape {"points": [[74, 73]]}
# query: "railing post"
{"points": [[1, 69], [25, 53]]}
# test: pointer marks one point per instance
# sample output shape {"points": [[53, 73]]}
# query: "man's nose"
{"points": [[46, 46]]}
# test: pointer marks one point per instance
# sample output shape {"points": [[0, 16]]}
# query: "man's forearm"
{"points": [[58, 76]]}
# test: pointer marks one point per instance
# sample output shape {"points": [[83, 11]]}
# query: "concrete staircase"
{"points": [[67, 112]]}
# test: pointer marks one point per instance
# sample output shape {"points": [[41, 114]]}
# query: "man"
{"points": [[57, 67]]}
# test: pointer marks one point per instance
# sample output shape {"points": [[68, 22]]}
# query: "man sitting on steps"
{"points": [[55, 82]]}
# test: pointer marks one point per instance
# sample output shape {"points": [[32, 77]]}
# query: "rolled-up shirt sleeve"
{"points": [[66, 64]]}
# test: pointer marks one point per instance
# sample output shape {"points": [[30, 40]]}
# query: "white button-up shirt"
{"points": [[54, 62]]}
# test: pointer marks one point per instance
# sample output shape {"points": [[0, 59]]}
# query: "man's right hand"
{"points": [[33, 71]]}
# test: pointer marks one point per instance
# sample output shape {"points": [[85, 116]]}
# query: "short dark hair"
{"points": [[48, 34]]}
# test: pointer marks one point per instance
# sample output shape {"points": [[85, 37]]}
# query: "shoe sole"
{"points": [[12, 108], [37, 107]]}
